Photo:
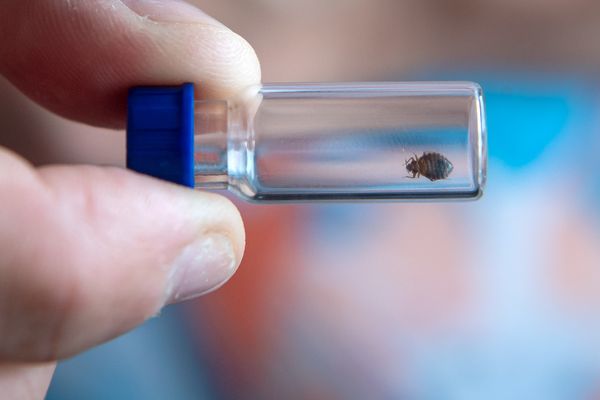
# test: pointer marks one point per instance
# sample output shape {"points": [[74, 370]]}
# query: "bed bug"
{"points": [[432, 166]]}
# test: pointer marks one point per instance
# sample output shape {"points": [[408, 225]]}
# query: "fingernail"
{"points": [[201, 267], [169, 11]]}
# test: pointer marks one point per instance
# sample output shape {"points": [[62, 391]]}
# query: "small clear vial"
{"points": [[310, 142]]}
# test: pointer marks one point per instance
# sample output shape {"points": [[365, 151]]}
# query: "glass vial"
{"points": [[361, 141]]}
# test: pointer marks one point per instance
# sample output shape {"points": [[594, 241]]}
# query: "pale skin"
{"points": [[88, 253]]}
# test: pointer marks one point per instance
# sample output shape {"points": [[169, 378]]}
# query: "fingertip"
{"points": [[231, 221], [235, 68], [93, 52], [104, 250]]}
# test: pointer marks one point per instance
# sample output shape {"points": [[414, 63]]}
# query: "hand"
{"points": [[87, 253]]}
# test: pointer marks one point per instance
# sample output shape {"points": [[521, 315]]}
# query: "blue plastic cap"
{"points": [[160, 132]]}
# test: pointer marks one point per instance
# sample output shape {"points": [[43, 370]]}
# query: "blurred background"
{"points": [[494, 299]]}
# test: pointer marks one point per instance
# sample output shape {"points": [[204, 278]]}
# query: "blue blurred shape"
{"points": [[521, 124], [156, 361]]}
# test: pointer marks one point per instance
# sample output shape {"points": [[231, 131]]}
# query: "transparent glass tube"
{"points": [[365, 141]]}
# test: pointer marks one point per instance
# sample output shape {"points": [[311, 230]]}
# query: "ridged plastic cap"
{"points": [[160, 132]]}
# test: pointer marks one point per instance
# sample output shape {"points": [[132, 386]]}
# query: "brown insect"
{"points": [[432, 166]]}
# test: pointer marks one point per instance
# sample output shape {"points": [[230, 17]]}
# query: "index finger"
{"points": [[79, 57]]}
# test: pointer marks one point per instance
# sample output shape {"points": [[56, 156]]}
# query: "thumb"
{"points": [[87, 253]]}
